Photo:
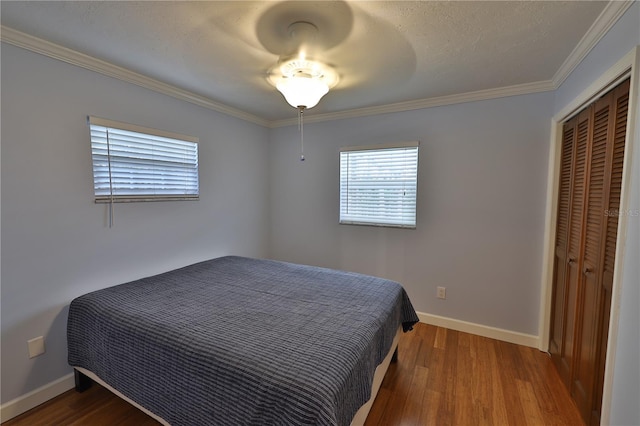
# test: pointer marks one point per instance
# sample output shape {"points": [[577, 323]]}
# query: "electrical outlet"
{"points": [[442, 293], [36, 346]]}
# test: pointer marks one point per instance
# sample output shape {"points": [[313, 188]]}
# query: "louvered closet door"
{"points": [[575, 247], [562, 234], [587, 222], [582, 385], [613, 185]]}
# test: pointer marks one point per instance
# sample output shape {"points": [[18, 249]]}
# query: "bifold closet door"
{"points": [[602, 212], [590, 186], [588, 294], [562, 235], [566, 286]]}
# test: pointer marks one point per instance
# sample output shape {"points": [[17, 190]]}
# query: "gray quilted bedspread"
{"points": [[240, 341]]}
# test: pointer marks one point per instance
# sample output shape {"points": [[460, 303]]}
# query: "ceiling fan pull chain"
{"points": [[301, 127]]}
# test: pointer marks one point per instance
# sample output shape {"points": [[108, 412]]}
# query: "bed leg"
{"points": [[82, 382], [394, 357]]}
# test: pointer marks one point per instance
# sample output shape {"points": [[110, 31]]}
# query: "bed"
{"points": [[241, 341]]}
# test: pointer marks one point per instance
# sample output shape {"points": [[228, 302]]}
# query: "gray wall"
{"points": [[481, 201], [55, 242], [623, 37]]}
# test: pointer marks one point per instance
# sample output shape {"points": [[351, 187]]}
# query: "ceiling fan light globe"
{"points": [[302, 91]]}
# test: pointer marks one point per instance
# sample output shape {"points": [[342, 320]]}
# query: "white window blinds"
{"points": [[378, 185], [132, 163]]}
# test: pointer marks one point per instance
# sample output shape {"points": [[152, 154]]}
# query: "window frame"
{"points": [[378, 221], [112, 197]]}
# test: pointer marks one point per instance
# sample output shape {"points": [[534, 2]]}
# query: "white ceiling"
{"points": [[385, 52]]}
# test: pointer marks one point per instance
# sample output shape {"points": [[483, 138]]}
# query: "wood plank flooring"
{"points": [[442, 377], [446, 377]]}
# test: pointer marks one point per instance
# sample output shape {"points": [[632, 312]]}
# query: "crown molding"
{"points": [[603, 23], [480, 95], [607, 18], [64, 54]]}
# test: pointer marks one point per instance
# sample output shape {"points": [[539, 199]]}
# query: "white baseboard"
{"points": [[36, 397], [481, 330]]}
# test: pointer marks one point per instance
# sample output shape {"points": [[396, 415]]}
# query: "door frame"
{"points": [[629, 65]]}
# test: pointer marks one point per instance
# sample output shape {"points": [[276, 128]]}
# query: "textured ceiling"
{"points": [[384, 51]]}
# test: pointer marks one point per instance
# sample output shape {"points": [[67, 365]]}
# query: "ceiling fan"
{"points": [[301, 33], [302, 79], [262, 41]]}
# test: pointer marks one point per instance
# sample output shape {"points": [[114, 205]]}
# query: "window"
{"points": [[132, 163], [378, 185]]}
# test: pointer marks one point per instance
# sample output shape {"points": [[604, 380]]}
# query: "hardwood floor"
{"points": [[446, 377], [442, 377]]}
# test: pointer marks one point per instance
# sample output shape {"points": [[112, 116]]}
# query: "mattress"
{"points": [[240, 341]]}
